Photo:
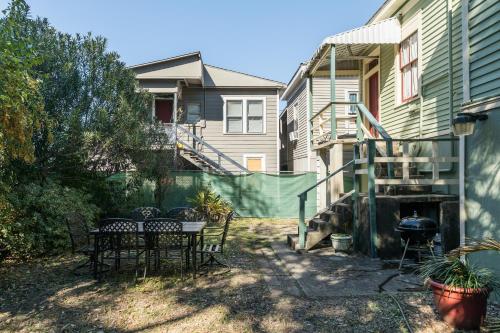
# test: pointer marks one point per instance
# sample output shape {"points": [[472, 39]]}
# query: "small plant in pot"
{"points": [[460, 288], [341, 241]]}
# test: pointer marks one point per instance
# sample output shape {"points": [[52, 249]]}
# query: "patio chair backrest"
{"points": [[118, 234], [143, 213], [184, 214], [163, 233], [229, 218], [78, 231]]}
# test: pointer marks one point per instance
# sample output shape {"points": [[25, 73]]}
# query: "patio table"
{"points": [[190, 229]]}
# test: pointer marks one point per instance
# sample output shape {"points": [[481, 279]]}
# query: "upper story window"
{"points": [[244, 115], [193, 113], [255, 116], [408, 61], [352, 96]]}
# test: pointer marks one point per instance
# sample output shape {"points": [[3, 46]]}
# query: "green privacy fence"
{"points": [[251, 195]]}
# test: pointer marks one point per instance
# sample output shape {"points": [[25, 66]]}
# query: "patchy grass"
{"points": [[43, 296]]}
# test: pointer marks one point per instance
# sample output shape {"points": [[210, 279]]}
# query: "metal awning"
{"points": [[352, 44]]}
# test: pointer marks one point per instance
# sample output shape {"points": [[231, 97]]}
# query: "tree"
{"points": [[21, 107], [71, 114]]}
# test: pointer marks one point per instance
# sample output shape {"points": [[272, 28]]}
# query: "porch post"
{"points": [[333, 116], [372, 203]]}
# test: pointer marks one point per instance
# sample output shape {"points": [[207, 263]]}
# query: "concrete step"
{"points": [[292, 240], [316, 237]]}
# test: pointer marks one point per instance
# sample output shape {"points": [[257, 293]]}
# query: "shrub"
{"points": [[210, 205], [34, 215]]}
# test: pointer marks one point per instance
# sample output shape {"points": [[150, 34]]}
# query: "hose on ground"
{"points": [[381, 290]]}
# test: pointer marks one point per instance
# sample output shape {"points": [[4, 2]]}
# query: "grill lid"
{"points": [[416, 222]]}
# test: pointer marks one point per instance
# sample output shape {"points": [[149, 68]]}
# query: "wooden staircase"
{"points": [[335, 219]]}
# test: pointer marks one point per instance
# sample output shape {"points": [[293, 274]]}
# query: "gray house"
{"points": [[223, 121], [300, 156]]}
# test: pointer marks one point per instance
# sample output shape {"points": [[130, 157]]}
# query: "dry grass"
{"points": [[43, 296]]}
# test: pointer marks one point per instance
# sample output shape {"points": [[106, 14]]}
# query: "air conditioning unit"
{"points": [[294, 136]]}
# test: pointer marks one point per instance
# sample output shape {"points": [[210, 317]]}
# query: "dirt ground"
{"points": [[44, 296]]}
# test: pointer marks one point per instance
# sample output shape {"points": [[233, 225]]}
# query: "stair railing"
{"points": [[364, 113], [302, 204], [220, 155]]}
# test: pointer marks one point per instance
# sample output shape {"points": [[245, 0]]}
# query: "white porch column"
{"points": [[324, 188], [337, 181]]}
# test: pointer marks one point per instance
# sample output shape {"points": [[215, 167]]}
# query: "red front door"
{"points": [[373, 98], [163, 110]]}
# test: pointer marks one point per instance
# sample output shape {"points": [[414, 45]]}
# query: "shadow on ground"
{"points": [[260, 294]]}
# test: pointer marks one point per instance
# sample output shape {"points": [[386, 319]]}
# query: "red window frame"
{"points": [[408, 65]]}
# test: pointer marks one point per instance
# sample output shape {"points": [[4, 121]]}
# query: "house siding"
{"points": [[321, 97], [430, 114], [298, 150], [235, 145], [482, 153], [484, 48]]}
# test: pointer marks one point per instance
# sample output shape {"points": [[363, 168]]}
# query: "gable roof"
{"points": [[296, 79], [221, 77], [186, 66], [181, 56], [190, 66]]}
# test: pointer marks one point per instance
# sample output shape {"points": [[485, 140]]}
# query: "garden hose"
{"points": [[381, 290]]}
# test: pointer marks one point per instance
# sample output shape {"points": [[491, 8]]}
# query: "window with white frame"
{"points": [[193, 113], [244, 115], [234, 116], [255, 116], [408, 62], [351, 96]]}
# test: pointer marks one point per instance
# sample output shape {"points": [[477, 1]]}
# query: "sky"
{"points": [[264, 38]]}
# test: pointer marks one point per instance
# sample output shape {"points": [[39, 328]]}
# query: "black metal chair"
{"points": [[81, 242], [118, 239], [184, 214], [214, 241], [163, 235], [143, 213]]}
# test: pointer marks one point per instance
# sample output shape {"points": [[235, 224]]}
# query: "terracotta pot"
{"points": [[463, 309]]}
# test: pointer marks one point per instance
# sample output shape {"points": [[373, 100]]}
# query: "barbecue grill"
{"points": [[417, 231]]}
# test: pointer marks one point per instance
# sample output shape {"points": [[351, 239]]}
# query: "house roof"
{"points": [[221, 77], [388, 8], [353, 42], [190, 67], [295, 81], [181, 56]]}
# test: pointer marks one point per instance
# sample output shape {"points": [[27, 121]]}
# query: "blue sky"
{"points": [[265, 38]]}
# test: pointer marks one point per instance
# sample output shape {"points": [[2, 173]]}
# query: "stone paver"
{"points": [[323, 273]]}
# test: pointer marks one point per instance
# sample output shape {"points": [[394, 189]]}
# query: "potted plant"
{"points": [[460, 288], [341, 242]]}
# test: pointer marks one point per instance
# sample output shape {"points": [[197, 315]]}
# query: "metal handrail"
{"points": [[203, 157], [215, 150]]}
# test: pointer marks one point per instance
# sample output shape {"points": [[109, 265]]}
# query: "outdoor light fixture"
{"points": [[463, 123]]}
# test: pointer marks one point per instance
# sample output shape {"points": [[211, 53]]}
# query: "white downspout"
{"points": [[466, 97]]}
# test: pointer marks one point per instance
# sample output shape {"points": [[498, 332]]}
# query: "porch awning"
{"points": [[350, 45]]}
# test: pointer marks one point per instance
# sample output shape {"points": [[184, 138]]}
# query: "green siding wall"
{"points": [[484, 46], [430, 114], [482, 188], [482, 182]]}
